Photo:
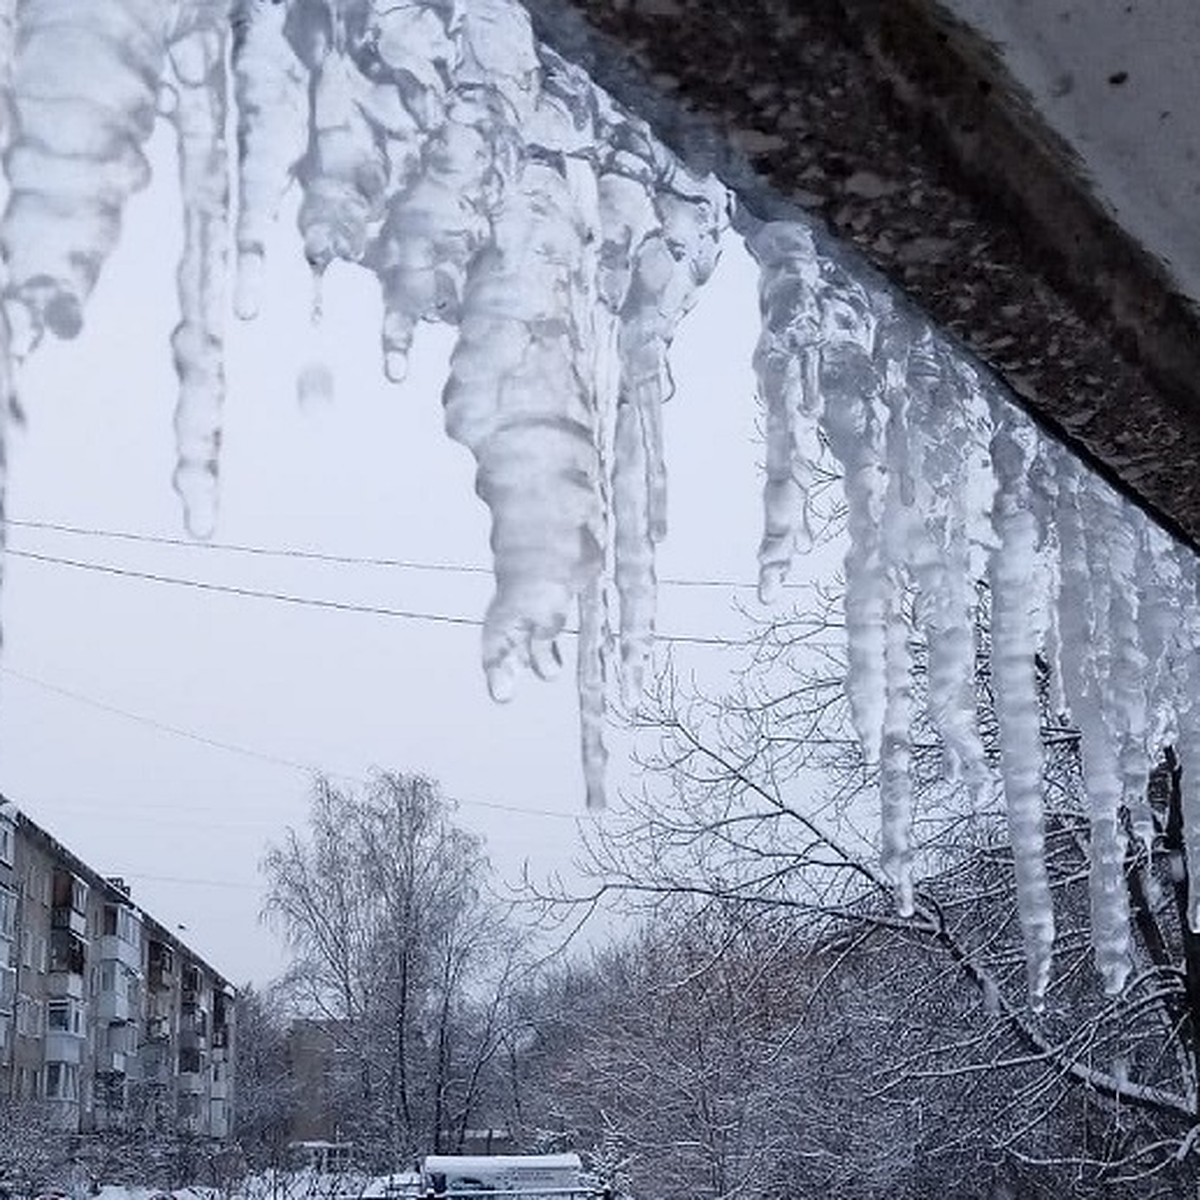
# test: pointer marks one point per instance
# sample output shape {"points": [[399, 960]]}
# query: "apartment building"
{"points": [[106, 1017]]}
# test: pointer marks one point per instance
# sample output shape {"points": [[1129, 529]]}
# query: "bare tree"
{"points": [[403, 955], [266, 1090], [754, 803]]}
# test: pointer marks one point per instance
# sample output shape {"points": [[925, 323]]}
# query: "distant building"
{"points": [[105, 1016]]}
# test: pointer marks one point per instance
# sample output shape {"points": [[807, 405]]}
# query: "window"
{"points": [[8, 989], [64, 1016], [119, 922], [8, 911], [62, 1081], [6, 843], [29, 1017], [27, 949]]}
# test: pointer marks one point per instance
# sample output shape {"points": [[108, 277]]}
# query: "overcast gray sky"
{"points": [[371, 474]]}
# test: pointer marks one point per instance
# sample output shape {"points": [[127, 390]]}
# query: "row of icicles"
{"points": [[489, 184]]}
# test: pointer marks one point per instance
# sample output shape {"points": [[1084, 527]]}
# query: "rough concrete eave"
{"points": [[900, 130]]}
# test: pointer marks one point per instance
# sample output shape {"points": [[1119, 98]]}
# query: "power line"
{"points": [[321, 556], [247, 751], [228, 589]]}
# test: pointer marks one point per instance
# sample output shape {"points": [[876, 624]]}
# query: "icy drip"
{"points": [[946, 446], [85, 89], [1189, 729], [517, 398], [1125, 694], [271, 90], [853, 423], [670, 266], [786, 363], [1083, 622], [591, 682], [1159, 629], [344, 172], [900, 524], [1015, 622], [673, 248], [197, 55], [442, 198], [627, 178]]}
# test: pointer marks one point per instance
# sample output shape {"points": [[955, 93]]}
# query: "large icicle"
{"points": [[1014, 646], [900, 524], [950, 430], [518, 399], [345, 172], [668, 270], [1189, 727], [853, 422], [197, 55], [85, 90], [271, 88], [438, 217], [786, 362], [1125, 696], [625, 191], [674, 256], [1083, 622]]}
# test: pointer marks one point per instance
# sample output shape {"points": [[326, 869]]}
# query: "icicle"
{"points": [[198, 58], [591, 676], [1083, 622], [1159, 629], [1014, 645], [85, 91], [518, 399], [271, 88], [947, 442], [1189, 727], [1125, 697], [853, 422], [438, 218], [899, 530], [625, 191], [671, 265], [345, 173], [786, 362], [633, 549]]}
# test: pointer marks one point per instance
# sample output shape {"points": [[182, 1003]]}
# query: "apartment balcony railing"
{"points": [[116, 949], [63, 1047], [113, 1006]]}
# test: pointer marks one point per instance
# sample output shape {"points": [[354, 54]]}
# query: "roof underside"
{"points": [[924, 143]]}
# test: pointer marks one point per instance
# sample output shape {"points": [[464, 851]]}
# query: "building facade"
{"points": [[106, 1017]]}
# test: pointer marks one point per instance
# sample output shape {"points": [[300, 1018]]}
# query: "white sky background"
{"points": [[369, 474]]}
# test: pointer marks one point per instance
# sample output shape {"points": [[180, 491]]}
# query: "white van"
{"points": [[505, 1175]]}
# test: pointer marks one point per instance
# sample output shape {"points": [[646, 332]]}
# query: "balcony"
{"points": [[61, 1047], [161, 961], [111, 1062], [68, 952], [68, 918], [116, 949], [113, 1006]]}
